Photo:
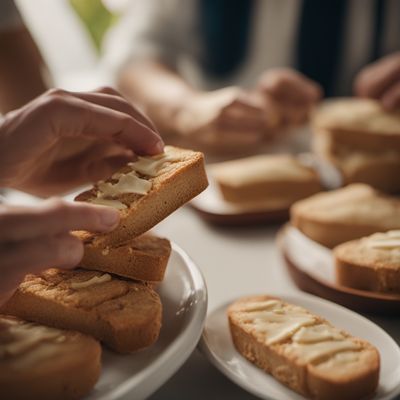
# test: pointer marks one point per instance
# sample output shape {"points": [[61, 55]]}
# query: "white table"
{"points": [[234, 262]]}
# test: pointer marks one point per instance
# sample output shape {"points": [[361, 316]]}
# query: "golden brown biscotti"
{"points": [[302, 350], [358, 123], [144, 258], [371, 263], [38, 362], [123, 314], [335, 217], [148, 190], [377, 168], [361, 140], [265, 177]]}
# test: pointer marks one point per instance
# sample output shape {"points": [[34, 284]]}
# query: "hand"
{"points": [[381, 80], [35, 238], [292, 95], [227, 120], [63, 139]]}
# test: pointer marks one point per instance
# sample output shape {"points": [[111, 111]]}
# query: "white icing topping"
{"points": [[130, 182], [108, 202], [275, 321], [386, 241], [313, 352], [127, 183], [93, 281], [18, 337], [316, 333], [151, 166]]}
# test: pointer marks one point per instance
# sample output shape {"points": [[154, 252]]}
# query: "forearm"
{"points": [[157, 89], [22, 69]]}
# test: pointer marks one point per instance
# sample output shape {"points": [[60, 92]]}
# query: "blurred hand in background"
{"points": [[381, 80], [291, 94]]}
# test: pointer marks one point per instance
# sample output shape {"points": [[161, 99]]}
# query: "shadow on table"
{"points": [[197, 379]]}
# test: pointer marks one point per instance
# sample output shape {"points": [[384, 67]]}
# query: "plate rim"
{"points": [[181, 347], [222, 367], [362, 295]]}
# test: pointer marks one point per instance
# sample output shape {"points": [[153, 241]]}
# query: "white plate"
{"points": [[311, 257], [184, 297], [216, 343]]}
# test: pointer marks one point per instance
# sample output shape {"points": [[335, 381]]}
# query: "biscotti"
{"points": [[144, 258], [263, 178], [123, 314], [361, 140], [335, 217], [371, 263], [302, 350], [38, 362], [148, 190]]}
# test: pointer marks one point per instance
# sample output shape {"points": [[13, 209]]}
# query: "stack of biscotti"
{"points": [[360, 139], [265, 181], [349, 213], [112, 295], [371, 263], [302, 350]]}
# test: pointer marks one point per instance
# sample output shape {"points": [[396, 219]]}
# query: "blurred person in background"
{"points": [[230, 74], [23, 73]]}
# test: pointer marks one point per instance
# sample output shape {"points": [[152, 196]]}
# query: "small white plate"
{"points": [[216, 343], [184, 297]]}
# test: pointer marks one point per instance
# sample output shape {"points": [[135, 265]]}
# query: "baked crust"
{"points": [[350, 372], [265, 177], [39, 362], [123, 314], [144, 258], [176, 183], [361, 139], [361, 266], [335, 217]]}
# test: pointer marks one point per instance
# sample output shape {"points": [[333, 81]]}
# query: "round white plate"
{"points": [[217, 345], [184, 297]]}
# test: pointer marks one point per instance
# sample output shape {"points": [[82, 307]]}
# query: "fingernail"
{"points": [[159, 147], [109, 217]]}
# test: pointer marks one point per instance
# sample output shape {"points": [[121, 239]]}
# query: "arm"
{"points": [[158, 89], [21, 69]]}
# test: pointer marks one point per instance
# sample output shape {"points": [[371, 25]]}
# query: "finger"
{"points": [[33, 256], [391, 98], [290, 86], [54, 217], [73, 117], [112, 99], [375, 79]]}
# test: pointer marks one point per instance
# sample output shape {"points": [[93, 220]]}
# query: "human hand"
{"points": [[62, 139], [225, 120], [35, 238], [290, 93], [381, 80]]}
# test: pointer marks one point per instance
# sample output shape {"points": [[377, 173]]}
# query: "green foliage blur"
{"points": [[96, 18]]}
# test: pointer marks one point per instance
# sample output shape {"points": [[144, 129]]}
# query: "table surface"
{"points": [[234, 262]]}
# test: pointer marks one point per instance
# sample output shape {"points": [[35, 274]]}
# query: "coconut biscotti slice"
{"points": [[302, 350], [148, 190], [39, 362], [144, 258], [371, 263], [125, 315]]}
